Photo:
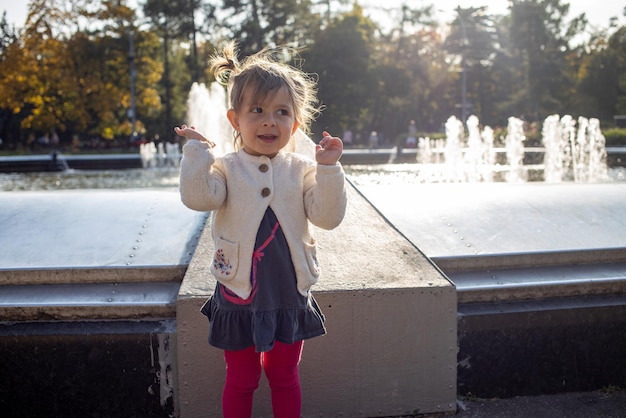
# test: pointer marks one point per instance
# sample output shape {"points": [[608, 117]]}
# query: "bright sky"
{"points": [[597, 14]]}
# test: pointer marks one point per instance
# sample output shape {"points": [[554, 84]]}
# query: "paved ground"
{"points": [[600, 404], [467, 219]]}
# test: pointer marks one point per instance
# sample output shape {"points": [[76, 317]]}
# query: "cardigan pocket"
{"points": [[310, 250], [225, 259]]}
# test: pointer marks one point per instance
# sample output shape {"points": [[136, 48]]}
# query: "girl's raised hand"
{"points": [[190, 132], [329, 150]]}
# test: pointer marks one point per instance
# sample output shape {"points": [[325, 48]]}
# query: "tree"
{"points": [[169, 19], [269, 23], [474, 41], [341, 56], [8, 35], [602, 86], [410, 57], [69, 71], [541, 44], [8, 41]]}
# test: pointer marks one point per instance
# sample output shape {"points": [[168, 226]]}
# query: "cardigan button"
{"points": [[265, 192], [263, 168]]}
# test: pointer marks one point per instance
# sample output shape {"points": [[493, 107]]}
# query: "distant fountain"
{"points": [[159, 155], [453, 150], [570, 154], [489, 154], [148, 153], [206, 110], [598, 169], [515, 151], [479, 156], [424, 151], [574, 154], [554, 146], [172, 154]]}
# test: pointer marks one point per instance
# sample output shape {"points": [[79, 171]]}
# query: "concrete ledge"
{"points": [[391, 318], [538, 283], [101, 301], [139, 274], [522, 260]]}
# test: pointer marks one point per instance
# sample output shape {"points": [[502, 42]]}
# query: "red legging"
{"points": [[243, 371]]}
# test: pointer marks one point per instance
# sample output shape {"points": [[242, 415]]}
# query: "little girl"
{"points": [[263, 197]]}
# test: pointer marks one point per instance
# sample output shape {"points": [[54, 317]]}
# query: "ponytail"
{"points": [[224, 65]]}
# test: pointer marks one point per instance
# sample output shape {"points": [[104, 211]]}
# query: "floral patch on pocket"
{"points": [[225, 259], [221, 263]]}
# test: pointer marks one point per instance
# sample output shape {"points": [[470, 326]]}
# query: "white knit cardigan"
{"points": [[239, 187]]}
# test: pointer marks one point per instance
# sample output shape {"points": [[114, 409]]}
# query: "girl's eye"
{"points": [[257, 110], [283, 112]]}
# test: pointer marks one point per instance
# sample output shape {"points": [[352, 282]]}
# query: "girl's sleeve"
{"points": [[325, 195], [202, 186]]}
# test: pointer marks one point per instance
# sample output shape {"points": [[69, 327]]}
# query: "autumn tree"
{"points": [[69, 72]]}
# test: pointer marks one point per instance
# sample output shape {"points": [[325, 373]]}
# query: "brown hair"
{"points": [[265, 75]]}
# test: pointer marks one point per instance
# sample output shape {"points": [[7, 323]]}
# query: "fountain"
{"points": [[569, 154], [515, 151], [159, 155], [206, 111], [574, 155]]}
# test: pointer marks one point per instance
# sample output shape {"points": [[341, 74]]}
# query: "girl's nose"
{"points": [[269, 120]]}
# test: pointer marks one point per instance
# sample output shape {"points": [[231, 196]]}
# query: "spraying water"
{"points": [[571, 153], [206, 110], [515, 151], [453, 150], [574, 154]]}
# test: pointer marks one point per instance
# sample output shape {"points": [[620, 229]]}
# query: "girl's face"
{"points": [[265, 127]]}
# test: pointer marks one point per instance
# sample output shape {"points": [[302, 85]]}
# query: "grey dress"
{"points": [[275, 309]]}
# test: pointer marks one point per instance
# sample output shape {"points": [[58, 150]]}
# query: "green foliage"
{"points": [[345, 84], [615, 137], [67, 69], [611, 389]]}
